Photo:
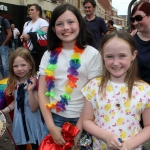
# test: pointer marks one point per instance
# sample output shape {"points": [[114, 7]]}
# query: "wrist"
{"points": [[106, 136], [29, 92], [6, 110], [9, 108]]}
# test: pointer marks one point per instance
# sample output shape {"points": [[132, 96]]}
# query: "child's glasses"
{"points": [[137, 18]]}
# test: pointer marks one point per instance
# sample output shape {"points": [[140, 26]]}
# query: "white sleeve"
{"points": [[44, 63], [43, 23], [25, 24], [18, 30], [93, 63]]}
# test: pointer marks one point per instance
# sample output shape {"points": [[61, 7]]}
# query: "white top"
{"points": [[15, 33], [115, 112], [32, 27], [91, 66]]}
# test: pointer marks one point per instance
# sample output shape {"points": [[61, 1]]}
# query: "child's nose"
{"points": [[66, 26]]}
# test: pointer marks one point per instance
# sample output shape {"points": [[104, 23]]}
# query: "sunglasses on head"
{"points": [[137, 18]]}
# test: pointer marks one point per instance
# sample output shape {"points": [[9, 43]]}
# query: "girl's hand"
{"points": [[32, 84], [56, 134], [112, 141], [125, 146]]}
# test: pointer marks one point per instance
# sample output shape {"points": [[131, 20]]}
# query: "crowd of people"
{"points": [[89, 74]]}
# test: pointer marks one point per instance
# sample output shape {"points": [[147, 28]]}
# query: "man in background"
{"points": [[16, 33], [110, 26], [96, 25], [5, 35]]}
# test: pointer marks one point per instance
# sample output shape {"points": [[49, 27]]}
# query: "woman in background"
{"points": [[34, 34], [140, 19]]}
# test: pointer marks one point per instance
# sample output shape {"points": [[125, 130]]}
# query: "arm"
{"points": [[9, 34], [9, 108], [143, 136], [54, 130], [44, 29], [79, 126], [32, 95], [89, 125], [18, 33]]}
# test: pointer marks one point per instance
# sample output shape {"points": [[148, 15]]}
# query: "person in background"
{"points": [[140, 19], [47, 19], [16, 33], [34, 36], [95, 24], [27, 124], [115, 101], [110, 26], [5, 35], [67, 65]]}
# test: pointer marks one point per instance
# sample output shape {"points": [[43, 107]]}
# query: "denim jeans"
{"points": [[59, 121], [4, 60], [14, 44]]}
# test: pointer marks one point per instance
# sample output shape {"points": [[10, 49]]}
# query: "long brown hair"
{"points": [[25, 54], [132, 73]]}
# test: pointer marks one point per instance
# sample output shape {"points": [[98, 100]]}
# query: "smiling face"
{"points": [[67, 27], [144, 24], [117, 58], [21, 68], [89, 9]]}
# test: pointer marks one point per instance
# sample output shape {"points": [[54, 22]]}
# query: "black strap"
{"points": [[20, 105]]}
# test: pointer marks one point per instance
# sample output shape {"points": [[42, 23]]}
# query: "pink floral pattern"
{"points": [[114, 111]]}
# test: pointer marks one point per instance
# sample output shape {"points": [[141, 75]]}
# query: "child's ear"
{"points": [[134, 54], [30, 67], [53, 29]]}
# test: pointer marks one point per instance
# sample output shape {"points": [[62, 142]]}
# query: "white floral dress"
{"points": [[116, 113]]}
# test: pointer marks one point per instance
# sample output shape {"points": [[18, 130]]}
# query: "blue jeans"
{"points": [[14, 44], [4, 60], [59, 121]]}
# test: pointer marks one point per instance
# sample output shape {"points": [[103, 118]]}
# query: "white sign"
{"points": [[3, 7]]}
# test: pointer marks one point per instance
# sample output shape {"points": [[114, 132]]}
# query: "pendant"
{"points": [[118, 105]]}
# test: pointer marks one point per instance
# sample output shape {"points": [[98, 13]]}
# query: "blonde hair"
{"points": [[25, 54], [132, 73]]}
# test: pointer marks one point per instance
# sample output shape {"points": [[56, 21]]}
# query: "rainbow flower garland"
{"points": [[75, 63]]}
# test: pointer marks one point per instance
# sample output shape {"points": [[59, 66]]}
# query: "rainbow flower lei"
{"points": [[75, 63]]}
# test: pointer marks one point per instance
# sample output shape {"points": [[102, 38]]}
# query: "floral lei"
{"points": [[75, 63]]}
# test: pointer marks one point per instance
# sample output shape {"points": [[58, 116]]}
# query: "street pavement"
{"points": [[6, 141]]}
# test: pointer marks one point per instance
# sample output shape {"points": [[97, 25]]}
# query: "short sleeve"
{"points": [[91, 89], [93, 63], [7, 24], [43, 23], [44, 63], [148, 99]]}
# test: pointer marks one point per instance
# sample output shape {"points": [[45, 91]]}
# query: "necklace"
{"points": [[75, 64]]}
